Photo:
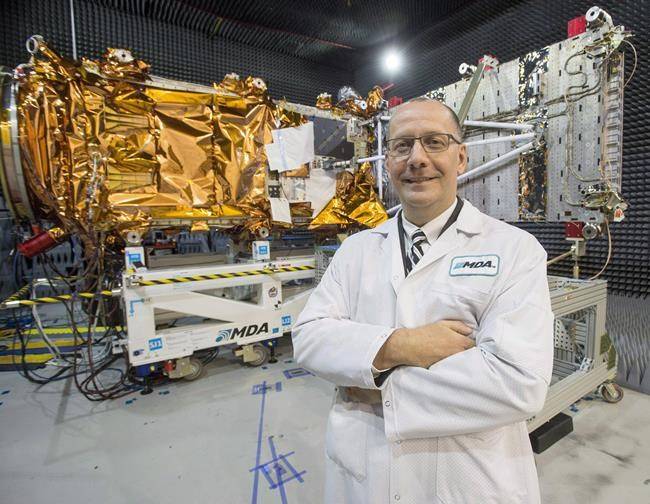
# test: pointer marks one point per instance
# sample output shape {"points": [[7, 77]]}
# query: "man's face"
{"points": [[423, 179]]}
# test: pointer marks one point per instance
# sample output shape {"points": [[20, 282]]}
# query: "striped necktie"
{"points": [[419, 242]]}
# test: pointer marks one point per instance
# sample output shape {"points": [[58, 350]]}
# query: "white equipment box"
{"points": [[584, 357]]}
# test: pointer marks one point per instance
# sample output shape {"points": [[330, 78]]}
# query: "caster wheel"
{"points": [[612, 392], [197, 369], [262, 355]]}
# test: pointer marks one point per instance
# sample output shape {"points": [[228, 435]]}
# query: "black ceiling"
{"points": [[335, 32]]}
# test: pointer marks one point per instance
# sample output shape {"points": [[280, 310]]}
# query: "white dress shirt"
{"points": [[431, 229]]}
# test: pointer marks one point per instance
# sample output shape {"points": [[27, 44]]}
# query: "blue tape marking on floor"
{"points": [[264, 466], [296, 372], [280, 464], [267, 475], [260, 388], [5, 392], [256, 476], [294, 473], [283, 493], [283, 459], [163, 392], [1, 403]]}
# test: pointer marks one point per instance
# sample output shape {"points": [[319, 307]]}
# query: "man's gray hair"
{"points": [[452, 113]]}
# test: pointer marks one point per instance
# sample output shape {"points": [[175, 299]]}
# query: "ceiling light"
{"points": [[392, 61]]}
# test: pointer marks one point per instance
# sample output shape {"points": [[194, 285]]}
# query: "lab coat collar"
{"points": [[390, 248], [470, 219], [386, 226], [468, 223]]}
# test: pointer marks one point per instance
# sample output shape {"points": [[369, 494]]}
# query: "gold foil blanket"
{"points": [[107, 148]]}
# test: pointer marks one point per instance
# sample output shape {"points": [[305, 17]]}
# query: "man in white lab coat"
{"points": [[436, 327]]}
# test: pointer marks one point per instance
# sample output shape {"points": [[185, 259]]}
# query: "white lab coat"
{"points": [[454, 433]]}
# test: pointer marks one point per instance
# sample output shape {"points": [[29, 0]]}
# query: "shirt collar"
{"points": [[470, 221], [432, 228]]}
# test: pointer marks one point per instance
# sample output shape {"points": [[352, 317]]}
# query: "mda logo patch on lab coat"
{"points": [[485, 265]]}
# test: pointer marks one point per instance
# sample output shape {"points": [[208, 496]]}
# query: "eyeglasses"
{"points": [[431, 142]]}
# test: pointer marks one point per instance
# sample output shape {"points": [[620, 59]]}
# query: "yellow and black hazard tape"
{"points": [[217, 276], [16, 303], [50, 331], [20, 293]]}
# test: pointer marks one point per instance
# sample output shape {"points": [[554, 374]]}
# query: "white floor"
{"points": [[201, 442]]}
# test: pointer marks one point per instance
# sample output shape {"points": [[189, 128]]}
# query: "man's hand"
{"points": [[356, 394], [425, 345]]}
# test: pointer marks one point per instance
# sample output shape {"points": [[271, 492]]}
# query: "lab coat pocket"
{"points": [[485, 467], [347, 437]]}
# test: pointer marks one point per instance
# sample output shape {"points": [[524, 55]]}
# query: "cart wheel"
{"points": [[611, 392], [262, 353], [197, 369]]}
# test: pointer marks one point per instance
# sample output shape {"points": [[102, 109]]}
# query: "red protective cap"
{"points": [[42, 242], [394, 101], [576, 26]]}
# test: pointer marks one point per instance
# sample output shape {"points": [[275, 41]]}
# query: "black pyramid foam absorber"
{"points": [[173, 51]]}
